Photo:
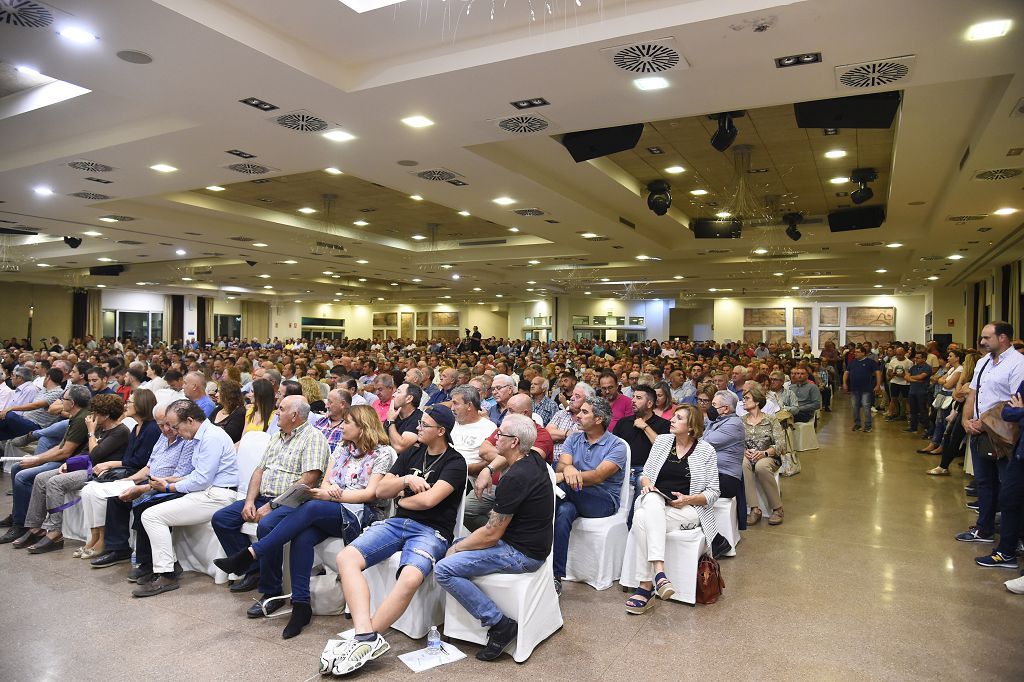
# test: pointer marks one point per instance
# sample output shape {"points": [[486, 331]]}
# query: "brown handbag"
{"points": [[999, 437], [709, 580]]}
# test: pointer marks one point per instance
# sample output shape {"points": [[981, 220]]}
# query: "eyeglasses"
{"points": [[507, 435], [703, 400], [424, 425], [498, 388]]}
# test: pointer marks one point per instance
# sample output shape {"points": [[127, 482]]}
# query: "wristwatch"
{"points": [[489, 468], [387, 424]]}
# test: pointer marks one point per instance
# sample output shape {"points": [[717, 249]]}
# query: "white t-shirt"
{"points": [[898, 376], [467, 438]]}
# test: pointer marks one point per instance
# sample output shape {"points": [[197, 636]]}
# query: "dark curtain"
{"points": [[202, 333], [1004, 293], [177, 317], [79, 313]]}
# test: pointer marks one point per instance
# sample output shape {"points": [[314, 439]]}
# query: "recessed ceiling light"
{"points": [[362, 279], [28, 71], [1004, 211], [643, 257], [307, 210], [835, 154], [104, 259], [180, 252], [108, 219], [878, 286], [298, 300], [678, 277], [42, 191], [416, 279], [477, 289], [394, 284], [586, 293], [675, 170], [258, 244], [881, 271], [650, 83], [335, 299], [290, 262], [419, 237], [76, 35], [760, 252], [416, 197], [989, 29], [839, 180], [698, 192], [380, 298], [417, 121], [513, 229], [504, 201], [712, 289], [215, 188], [446, 296], [264, 276], [163, 168], [268, 286], [339, 136], [447, 266], [333, 171], [93, 233], [101, 286], [531, 281], [894, 245], [464, 214], [456, 276], [360, 223], [723, 214], [43, 265], [588, 235], [327, 272], [604, 279], [933, 278], [362, 261], [955, 256], [186, 279], [778, 274], [533, 262], [142, 284], [794, 288]]}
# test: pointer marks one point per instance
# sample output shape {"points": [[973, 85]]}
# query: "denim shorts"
{"points": [[421, 546]]}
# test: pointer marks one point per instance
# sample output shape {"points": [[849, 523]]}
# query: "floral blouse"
{"points": [[765, 434]]}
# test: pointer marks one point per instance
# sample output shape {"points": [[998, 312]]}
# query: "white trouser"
{"points": [[652, 519], [94, 500], [190, 510]]}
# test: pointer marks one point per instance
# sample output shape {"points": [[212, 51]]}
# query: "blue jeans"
{"points": [[986, 480], [918, 409], [227, 524], [592, 502], [23, 479], [307, 526], [421, 546], [453, 573], [862, 399], [634, 479], [940, 425], [51, 436]]}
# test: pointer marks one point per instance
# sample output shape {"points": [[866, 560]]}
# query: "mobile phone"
{"points": [[667, 497]]}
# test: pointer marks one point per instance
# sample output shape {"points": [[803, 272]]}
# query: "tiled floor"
{"points": [[862, 581]]}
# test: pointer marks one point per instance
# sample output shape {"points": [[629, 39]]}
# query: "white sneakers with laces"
{"points": [[1016, 585], [350, 655]]}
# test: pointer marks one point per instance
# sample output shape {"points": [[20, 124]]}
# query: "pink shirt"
{"points": [[382, 409], [622, 407]]}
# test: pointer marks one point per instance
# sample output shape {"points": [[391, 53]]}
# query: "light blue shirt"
{"points": [[588, 456], [206, 402], [213, 459], [172, 459]]}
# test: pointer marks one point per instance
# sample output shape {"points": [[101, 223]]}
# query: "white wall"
{"points": [[226, 307], [132, 300]]}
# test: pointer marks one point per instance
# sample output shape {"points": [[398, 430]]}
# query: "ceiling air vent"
{"points": [[526, 123], [652, 56], [529, 212], [90, 195], [303, 121], [130, 242], [241, 239], [484, 242], [998, 174], [964, 218], [248, 168], [116, 218], [25, 14], [928, 258], [598, 239], [874, 74], [437, 175], [90, 166]]}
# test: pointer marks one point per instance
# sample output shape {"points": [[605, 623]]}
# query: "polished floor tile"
{"points": [[863, 581]]}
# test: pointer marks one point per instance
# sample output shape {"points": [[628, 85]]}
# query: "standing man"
{"points": [[622, 407], [862, 380], [896, 372], [516, 539], [918, 391], [639, 432]]}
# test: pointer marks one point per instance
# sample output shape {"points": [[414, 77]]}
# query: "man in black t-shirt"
{"points": [[403, 417], [428, 481], [516, 539], [639, 431]]}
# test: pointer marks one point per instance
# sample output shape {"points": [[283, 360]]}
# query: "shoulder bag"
{"points": [[709, 580], [998, 438]]}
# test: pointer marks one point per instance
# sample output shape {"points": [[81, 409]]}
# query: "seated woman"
{"points": [[262, 411], [140, 443], [344, 504], [311, 392], [764, 445], [107, 440], [663, 406], [231, 414], [679, 490]]}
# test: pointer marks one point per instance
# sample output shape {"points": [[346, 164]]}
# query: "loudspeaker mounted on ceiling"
{"points": [[591, 144], [864, 218], [875, 110]]}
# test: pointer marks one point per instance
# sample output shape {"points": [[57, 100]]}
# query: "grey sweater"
{"points": [[807, 395]]}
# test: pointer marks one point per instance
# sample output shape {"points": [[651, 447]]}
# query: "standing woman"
{"points": [[344, 504], [764, 445], [262, 410], [683, 468], [947, 383], [953, 440]]}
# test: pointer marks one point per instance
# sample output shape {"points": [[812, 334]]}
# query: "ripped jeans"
{"points": [[421, 546]]}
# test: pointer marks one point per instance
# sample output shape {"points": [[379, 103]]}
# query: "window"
{"points": [[227, 325], [580, 320], [636, 321], [138, 325]]}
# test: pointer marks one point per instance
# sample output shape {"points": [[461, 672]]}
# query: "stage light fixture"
{"points": [[723, 138], [862, 176], [792, 220], [660, 198], [73, 242]]}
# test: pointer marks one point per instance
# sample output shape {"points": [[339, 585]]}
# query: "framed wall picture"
{"points": [[764, 317]]}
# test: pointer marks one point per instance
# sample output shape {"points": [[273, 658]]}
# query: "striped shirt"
{"points": [[289, 456], [703, 476], [564, 420]]}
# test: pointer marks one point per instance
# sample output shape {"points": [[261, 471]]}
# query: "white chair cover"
{"points": [[683, 550], [727, 521], [804, 437], [596, 546]]}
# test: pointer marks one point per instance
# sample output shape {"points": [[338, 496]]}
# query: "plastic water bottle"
{"points": [[434, 640]]}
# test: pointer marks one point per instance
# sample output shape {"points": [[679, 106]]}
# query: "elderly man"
{"points": [[724, 431], [19, 419], [739, 377], [564, 422], [639, 433], [23, 391], [403, 417], [471, 430], [502, 388], [427, 481], [680, 388], [194, 388], [780, 393], [543, 406], [516, 539], [590, 470], [384, 389], [448, 379], [330, 425], [622, 407], [298, 453], [76, 438], [807, 395], [211, 486]]}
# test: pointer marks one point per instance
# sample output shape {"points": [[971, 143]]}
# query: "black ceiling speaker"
{"points": [[73, 242], [660, 198], [591, 144], [876, 110], [106, 270], [864, 218], [711, 228]]}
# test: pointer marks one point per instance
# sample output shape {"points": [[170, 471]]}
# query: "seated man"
{"points": [[427, 480], [298, 453], [564, 422], [403, 416], [211, 486], [639, 431], [20, 419], [807, 395], [591, 468], [516, 539]]}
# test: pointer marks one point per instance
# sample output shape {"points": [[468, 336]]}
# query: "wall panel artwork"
{"points": [[764, 317], [385, 319], [857, 316]]}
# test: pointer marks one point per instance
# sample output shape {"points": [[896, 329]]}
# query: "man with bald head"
{"points": [[298, 453], [194, 388]]}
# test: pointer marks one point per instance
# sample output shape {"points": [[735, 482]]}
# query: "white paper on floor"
{"points": [[425, 659]]}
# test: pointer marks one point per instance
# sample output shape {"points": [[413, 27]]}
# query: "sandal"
{"points": [[938, 471], [754, 516], [89, 552], [663, 586], [78, 553], [641, 602], [776, 517]]}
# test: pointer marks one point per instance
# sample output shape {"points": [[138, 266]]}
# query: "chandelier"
{"points": [[572, 278]]}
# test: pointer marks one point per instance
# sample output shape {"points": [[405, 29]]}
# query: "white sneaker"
{"points": [[1016, 585], [354, 654]]}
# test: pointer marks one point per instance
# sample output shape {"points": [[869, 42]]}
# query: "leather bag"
{"points": [[709, 580]]}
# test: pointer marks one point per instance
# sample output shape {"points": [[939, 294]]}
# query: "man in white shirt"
{"points": [[899, 387], [470, 430]]}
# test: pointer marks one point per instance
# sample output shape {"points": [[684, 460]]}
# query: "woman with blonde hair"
{"points": [[311, 392], [344, 504]]}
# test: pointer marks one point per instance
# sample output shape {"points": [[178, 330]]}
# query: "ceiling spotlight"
{"points": [[92, 233], [835, 154], [989, 29], [761, 252], [108, 219], [417, 121], [180, 252], [101, 286], [932, 278], [862, 176], [362, 279], [513, 229], [333, 171], [698, 192], [43, 265], [258, 244], [76, 35], [455, 275], [360, 223], [504, 201], [102, 259], [268, 286], [894, 245], [416, 197], [650, 83], [362, 261], [792, 220], [723, 215], [675, 170], [589, 235], [778, 274], [43, 191], [338, 136], [794, 288], [163, 168], [419, 237], [881, 271], [956, 256], [533, 262], [678, 277], [723, 138], [264, 276], [1004, 211], [464, 214], [307, 210], [290, 262], [839, 180], [73, 242], [878, 286], [215, 188], [660, 198], [416, 279]]}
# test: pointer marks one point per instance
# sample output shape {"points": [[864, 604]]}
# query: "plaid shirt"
{"points": [[331, 433], [288, 457], [546, 409], [564, 420]]}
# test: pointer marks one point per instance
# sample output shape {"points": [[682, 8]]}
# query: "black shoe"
{"points": [[7, 522], [558, 587], [499, 639], [867, 429], [115, 556], [973, 505], [247, 584], [302, 613], [969, 490], [856, 427], [719, 546], [27, 540], [45, 544], [237, 563], [265, 606], [140, 575], [13, 534]]}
